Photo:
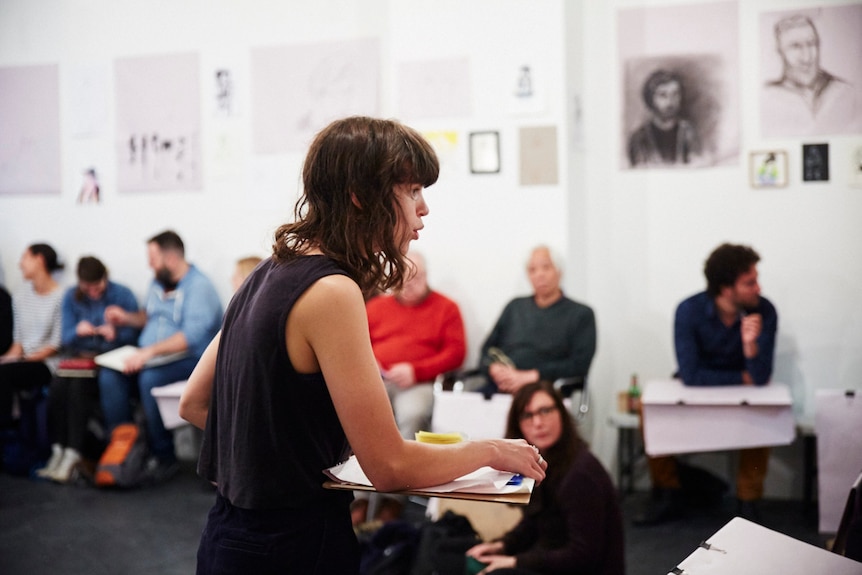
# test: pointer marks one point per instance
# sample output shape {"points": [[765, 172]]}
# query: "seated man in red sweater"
{"points": [[416, 334]]}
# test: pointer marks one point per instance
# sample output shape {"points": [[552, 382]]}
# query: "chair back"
{"points": [[569, 385]]}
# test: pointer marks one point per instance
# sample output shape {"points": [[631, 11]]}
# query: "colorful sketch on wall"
{"points": [[768, 169], [30, 134], [680, 80], [298, 90], [446, 144], [434, 89], [91, 191], [811, 65], [158, 123]]}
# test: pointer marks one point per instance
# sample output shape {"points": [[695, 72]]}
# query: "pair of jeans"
{"points": [[116, 390], [312, 541]]}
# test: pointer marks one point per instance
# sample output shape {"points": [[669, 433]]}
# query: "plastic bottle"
{"points": [[634, 395]]}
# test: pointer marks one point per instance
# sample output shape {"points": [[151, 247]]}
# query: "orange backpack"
{"points": [[123, 463]]}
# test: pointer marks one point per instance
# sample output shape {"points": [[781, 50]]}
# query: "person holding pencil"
{"points": [[295, 385]]}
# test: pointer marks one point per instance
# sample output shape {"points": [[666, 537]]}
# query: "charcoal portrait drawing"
{"points": [[672, 112], [807, 96]]}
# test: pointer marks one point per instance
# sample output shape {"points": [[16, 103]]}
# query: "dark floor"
{"points": [[47, 528]]}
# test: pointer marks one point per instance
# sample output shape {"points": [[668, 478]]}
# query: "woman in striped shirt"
{"points": [[27, 365]]}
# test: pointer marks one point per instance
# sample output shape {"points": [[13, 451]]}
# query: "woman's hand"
{"points": [[497, 562], [518, 456], [483, 549]]}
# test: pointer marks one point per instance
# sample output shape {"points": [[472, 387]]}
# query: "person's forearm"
{"points": [[415, 465], [195, 399], [40, 354], [15, 351], [172, 344], [136, 319]]}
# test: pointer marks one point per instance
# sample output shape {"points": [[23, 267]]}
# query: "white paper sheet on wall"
{"points": [[158, 123], [30, 134], [297, 90]]}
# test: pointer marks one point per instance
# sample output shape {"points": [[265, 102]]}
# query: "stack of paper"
{"points": [[485, 483]]}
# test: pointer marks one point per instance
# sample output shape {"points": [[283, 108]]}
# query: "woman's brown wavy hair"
{"points": [[348, 206]]}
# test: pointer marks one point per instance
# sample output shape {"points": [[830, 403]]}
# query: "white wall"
{"points": [[480, 227], [634, 242], [650, 232]]}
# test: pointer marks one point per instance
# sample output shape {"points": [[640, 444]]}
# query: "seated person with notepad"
{"points": [[573, 523], [544, 336], [73, 397], [182, 314], [722, 336]]}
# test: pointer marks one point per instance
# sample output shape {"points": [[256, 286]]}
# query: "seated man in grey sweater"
{"points": [[544, 336]]}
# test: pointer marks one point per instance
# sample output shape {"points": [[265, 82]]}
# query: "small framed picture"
{"points": [[485, 152], [768, 169], [815, 162]]}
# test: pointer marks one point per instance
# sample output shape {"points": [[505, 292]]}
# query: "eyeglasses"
{"points": [[542, 413]]}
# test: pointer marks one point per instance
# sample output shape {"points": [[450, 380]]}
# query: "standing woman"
{"points": [[26, 367], [573, 523], [294, 382], [73, 400]]}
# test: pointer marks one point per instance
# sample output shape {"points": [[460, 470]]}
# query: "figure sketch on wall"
{"points": [[90, 191], [672, 112], [224, 92], [808, 97], [161, 160], [525, 83]]}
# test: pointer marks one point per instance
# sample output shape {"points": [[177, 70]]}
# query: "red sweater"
{"points": [[430, 335]]}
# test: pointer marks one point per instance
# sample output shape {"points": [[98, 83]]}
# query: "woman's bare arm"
{"points": [[195, 400], [327, 330]]}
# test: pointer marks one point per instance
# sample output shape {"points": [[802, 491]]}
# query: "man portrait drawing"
{"points": [[667, 137]]}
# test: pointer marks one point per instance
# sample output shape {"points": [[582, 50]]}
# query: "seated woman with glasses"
{"points": [[573, 523]]}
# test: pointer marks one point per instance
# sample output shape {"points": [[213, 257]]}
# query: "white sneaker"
{"points": [[53, 461], [63, 471]]}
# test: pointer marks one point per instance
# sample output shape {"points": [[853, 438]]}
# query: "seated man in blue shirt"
{"points": [[182, 313], [723, 336], [544, 336]]}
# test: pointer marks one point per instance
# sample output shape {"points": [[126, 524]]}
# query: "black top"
{"points": [[573, 523], [271, 431]]}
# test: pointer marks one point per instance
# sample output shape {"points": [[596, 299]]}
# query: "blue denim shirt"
{"points": [[93, 311], [193, 308], [710, 353]]}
